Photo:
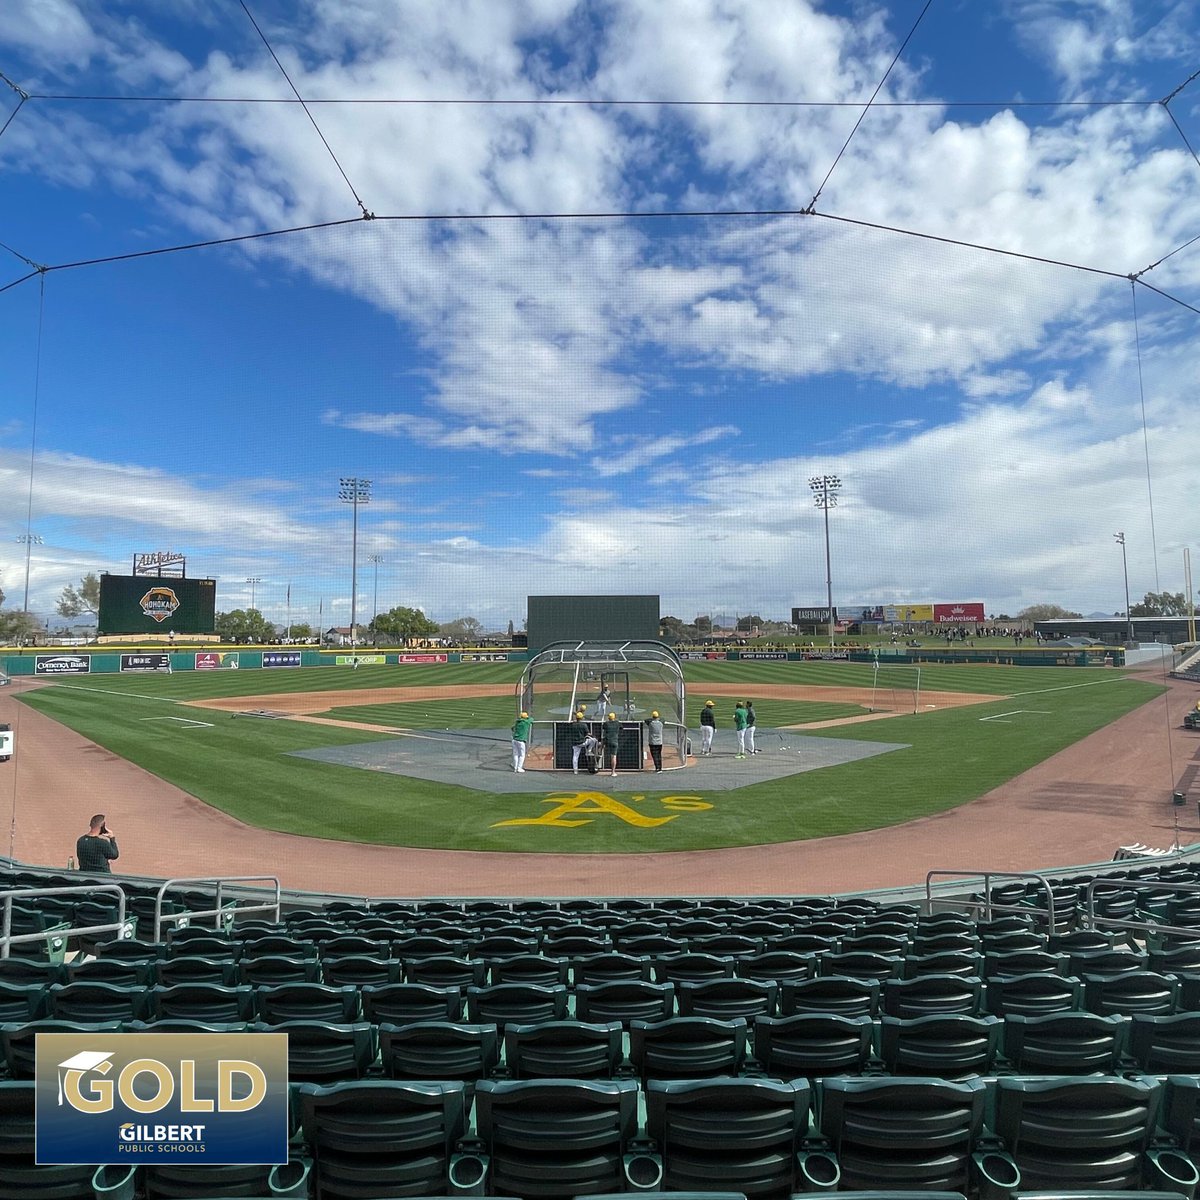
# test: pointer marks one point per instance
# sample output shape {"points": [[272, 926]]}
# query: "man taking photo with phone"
{"points": [[97, 848]]}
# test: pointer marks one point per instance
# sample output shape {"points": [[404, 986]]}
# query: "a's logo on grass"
{"points": [[572, 809], [210, 1098], [159, 603]]}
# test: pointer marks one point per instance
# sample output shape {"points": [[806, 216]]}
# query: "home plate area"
{"points": [[482, 759]]}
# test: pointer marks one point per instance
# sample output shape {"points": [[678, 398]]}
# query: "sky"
{"points": [[636, 273]]}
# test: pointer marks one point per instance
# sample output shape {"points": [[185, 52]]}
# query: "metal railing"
{"points": [[988, 905], [1092, 921], [8, 939], [220, 911]]}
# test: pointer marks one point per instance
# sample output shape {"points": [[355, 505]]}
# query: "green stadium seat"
{"points": [[267, 970], [926, 995], [18, 1043], [322, 1052], [359, 970], [353, 944], [526, 1003], [442, 1050], [1165, 1045], [728, 1134], [950, 1046], [1105, 962], [446, 971], [403, 1003], [1145, 992], [945, 962], [1031, 995], [775, 966], [28, 971], [93, 1002], [811, 1045], [563, 1050], [862, 964], [132, 972], [195, 968], [625, 1001], [207, 1002], [724, 999], [692, 967], [726, 945], [839, 994], [1064, 1043], [687, 1047], [609, 967], [544, 970], [1023, 962]]}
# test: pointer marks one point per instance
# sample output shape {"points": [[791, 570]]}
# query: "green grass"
{"points": [[242, 766]]}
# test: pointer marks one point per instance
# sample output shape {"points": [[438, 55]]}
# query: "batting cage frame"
{"points": [[895, 687], [632, 679]]}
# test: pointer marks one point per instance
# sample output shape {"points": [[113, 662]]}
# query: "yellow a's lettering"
{"points": [[685, 803], [586, 802]]}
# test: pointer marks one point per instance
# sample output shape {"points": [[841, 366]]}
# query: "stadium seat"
{"points": [[446, 971], [811, 1045], [726, 945], [130, 948], [307, 1002], [556, 1137], [188, 1180], [352, 945], [728, 1134], [655, 944], [202, 1002], [944, 962], [890, 945], [424, 946], [838, 994], [1091, 1132], [563, 1050], [687, 1047], [1023, 962], [1063, 1043], [442, 1050], [774, 966], [39, 972], [806, 943], [862, 964], [1104, 962], [1032, 995], [925, 995], [18, 1041], [126, 973], [1134, 992], [944, 942], [625, 1001], [724, 999], [544, 970], [194, 968], [359, 970], [90, 1003], [322, 1052], [691, 967], [1161, 1045], [609, 967], [267, 970], [201, 943], [912, 1134], [502, 947], [526, 1003], [382, 1137], [950, 1046], [403, 1003]]}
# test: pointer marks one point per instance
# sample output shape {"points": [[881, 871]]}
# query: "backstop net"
{"points": [[632, 679], [896, 687]]}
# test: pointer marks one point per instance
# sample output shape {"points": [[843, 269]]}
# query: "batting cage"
{"points": [[635, 680]]}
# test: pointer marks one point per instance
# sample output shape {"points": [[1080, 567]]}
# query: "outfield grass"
{"points": [[242, 766]]}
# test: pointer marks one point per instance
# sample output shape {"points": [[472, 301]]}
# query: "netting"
{"points": [[895, 687]]}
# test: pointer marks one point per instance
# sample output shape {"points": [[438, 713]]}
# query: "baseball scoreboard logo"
{"points": [[212, 1098], [159, 603]]}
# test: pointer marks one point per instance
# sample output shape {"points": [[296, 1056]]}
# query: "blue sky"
{"points": [[603, 405]]}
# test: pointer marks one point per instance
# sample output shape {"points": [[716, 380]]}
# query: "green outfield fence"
{"points": [[49, 661]]}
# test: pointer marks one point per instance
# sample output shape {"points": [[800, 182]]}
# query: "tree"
{"points": [[703, 624], [302, 630], [670, 629], [75, 601], [1045, 612], [1160, 604], [403, 623], [461, 629], [244, 625], [745, 624], [510, 629]]}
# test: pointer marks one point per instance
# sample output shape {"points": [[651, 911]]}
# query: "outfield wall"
{"points": [[46, 663]]}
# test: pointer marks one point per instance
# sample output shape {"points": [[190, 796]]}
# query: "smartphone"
{"points": [[103, 828]]}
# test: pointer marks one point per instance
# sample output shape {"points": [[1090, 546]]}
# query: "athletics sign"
{"points": [[168, 1098]]}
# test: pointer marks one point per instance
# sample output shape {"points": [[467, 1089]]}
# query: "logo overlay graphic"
{"points": [[159, 603], [212, 1098]]}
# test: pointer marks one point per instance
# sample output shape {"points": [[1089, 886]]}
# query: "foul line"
{"points": [[1016, 712], [183, 721], [1067, 687], [74, 687]]}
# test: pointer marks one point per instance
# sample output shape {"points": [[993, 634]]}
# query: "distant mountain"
{"points": [[1099, 616]]}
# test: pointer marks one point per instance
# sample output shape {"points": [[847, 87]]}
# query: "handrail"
{"points": [[8, 938], [987, 876], [1089, 906], [220, 881]]}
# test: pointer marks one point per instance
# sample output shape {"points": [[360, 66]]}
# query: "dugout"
{"points": [[639, 677]]}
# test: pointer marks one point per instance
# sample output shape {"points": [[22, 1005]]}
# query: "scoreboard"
{"points": [[153, 604]]}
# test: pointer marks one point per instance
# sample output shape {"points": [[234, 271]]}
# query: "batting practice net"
{"points": [[632, 679], [896, 688]]}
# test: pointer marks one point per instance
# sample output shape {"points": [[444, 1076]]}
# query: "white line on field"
{"points": [[1067, 687], [182, 721], [1016, 712], [74, 687]]}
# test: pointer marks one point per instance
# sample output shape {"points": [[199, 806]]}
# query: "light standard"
{"points": [[1125, 568], [30, 540], [825, 489], [375, 559], [253, 581], [354, 491]]}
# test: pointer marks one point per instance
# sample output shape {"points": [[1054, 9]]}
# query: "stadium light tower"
{"points": [[354, 491], [825, 489], [30, 540], [253, 581], [1125, 568], [375, 560]]}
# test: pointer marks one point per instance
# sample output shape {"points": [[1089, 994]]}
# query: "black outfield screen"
{"points": [[149, 604], [591, 619]]}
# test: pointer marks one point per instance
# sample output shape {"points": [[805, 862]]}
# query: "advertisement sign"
{"points": [[958, 614], [145, 662], [761, 655], [167, 1098], [812, 616], [908, 612], [715, 655], [862, 612], [363, 660], [62, 664], [422, 658], [823, 655], [693, 655], [488, 656], [281, 658], [217, 660]]}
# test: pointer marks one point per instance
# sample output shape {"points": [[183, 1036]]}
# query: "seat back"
{"points": [[837, 994], [926, 995], [1162, 1044], [562, 1050], [401, 1003], [1063, 1043], [438, 1050], [687, 1047], [947, 1045], [811, 1045], [625, 1001]]}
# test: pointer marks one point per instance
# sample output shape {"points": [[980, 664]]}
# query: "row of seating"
{"points": [[758, 1137], [805, 1046]]}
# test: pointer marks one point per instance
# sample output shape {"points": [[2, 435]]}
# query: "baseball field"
{"points": [[299, 751]]}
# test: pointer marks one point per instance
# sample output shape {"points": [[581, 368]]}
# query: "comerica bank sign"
{"points": [[111, 1098]]}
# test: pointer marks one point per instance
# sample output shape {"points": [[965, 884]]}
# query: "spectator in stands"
{"points": [[750, 719], [522, 728], [708, 726], [739, 726], [655, 739], [579, 734], [612, 741], [96, 848]]}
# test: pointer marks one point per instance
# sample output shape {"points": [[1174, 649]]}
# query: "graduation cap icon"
{"points": [[85, 1060]]}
